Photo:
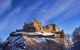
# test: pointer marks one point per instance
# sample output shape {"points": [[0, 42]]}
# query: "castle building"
{"points": [[30, 35], [36, 26]]}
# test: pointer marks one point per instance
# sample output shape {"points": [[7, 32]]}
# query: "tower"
{"points": [[51, 28], [37, 25]]}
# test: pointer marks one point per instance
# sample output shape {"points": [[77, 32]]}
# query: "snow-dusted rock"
{"points": [[25, 43]]}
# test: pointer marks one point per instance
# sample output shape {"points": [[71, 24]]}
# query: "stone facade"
{"points": [[36, 26]]}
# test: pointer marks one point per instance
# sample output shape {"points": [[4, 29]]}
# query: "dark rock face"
{"points": [[25, 43], [19, 43], [76, 39], [1, 47]]}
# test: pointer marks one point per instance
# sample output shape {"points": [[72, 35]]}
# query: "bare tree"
{"points": [[76, 38]]}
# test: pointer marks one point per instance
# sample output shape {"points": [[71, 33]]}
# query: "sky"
{"points": [[14, 13]]}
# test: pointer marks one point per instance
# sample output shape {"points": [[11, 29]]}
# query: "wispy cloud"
{"points": [[4, 4], [72, 11], [9, 19], [59, 7]]}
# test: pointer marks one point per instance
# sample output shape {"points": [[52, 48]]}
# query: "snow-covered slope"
{"points": [[25, 43]]}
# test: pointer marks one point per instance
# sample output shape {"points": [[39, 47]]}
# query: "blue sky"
{"points": [[13, 14]]}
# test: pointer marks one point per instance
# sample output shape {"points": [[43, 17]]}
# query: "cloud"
{"points": [[4, 5], [28, 12], [9, 18], [9, 23], [59, 7], [72, 12]]}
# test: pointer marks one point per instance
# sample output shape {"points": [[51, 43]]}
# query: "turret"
{"points": [[37, 25], [29, 27], [62, 34], [51, 28], [57, 29]]}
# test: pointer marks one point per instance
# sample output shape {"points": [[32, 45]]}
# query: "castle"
{"points": [[36, 26], [27, 38]]}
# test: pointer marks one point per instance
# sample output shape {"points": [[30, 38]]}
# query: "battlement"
{"points": [[51, 30], [37, 27]]}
